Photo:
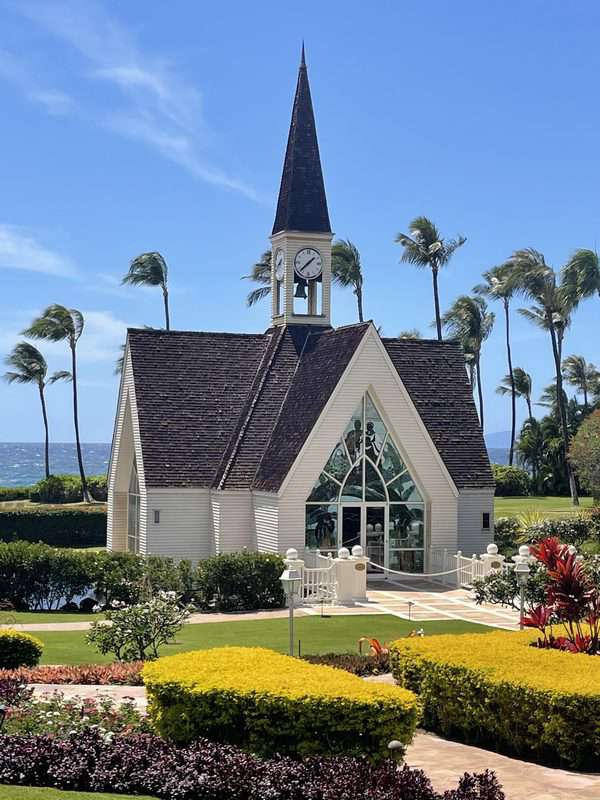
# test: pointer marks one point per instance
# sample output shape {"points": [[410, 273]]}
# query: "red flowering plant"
{"points": [[572, 600]]}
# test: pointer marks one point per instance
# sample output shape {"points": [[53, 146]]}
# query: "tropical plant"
{"points": [[29, 366], [550, 310], [346, 270], [522, 384], [582, 375], [57, 324], [499, 285], [425, 247], [150, 269], [581, 276], [261, 274], [585, 454], [469, 322], [531, 451], [411, 333]]}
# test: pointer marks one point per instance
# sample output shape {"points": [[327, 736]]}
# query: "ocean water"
{"points": [[22, 463]]}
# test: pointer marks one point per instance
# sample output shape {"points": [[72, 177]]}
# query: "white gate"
{"points": [[319, 584]]}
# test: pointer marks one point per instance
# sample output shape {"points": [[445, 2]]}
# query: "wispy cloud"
{"points": [[158, 106], [17, 72], [19, 250]]}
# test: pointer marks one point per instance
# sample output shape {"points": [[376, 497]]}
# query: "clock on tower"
{"points": [[301, 237]]}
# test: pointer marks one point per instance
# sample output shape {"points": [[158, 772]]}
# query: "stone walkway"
{"points": [[418, 601], [442, 760]]}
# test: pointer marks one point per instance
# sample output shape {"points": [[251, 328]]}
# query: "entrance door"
{"points": [[351, 526], [374, 544]]}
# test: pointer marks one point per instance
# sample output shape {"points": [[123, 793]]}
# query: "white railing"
{"points": [[319, 584]]}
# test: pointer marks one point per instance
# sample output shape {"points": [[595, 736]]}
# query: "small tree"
{"points": [[585, 455]]}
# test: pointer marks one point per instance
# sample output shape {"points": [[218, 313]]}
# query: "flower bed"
{"points": [[118, 673], [271, 703], [361, 665], [145, 764], [499, 691]]}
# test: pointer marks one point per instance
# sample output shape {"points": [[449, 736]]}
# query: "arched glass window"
{"points": [[133, 511], [366, 467]]}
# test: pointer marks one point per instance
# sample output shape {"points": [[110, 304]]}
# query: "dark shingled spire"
{"points": [[302, 205]]}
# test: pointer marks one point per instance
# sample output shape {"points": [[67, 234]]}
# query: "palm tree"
{"points": [[578, 373], [260, 273], [58, 324], [412, 333], [499, 285], [150, 269], [550, 310], [520, 382], [347, 271], [30, 367], [581, 276], [425, 247], [469, 322], [531, 447]]}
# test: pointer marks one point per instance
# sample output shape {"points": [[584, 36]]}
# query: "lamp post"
{"points": [[3, 710], [522, 572], [291, 581]]}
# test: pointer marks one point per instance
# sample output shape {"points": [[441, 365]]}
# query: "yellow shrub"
{"points": [[271, 703], [497, 690], [19, 649]]}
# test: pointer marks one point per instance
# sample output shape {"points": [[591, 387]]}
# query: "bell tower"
{"points": [[301, 237]]}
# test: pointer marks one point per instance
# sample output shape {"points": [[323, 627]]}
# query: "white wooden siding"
{"points": [[266, 522], [371, 370], [233, 521], [185, 527], [472, 504]]}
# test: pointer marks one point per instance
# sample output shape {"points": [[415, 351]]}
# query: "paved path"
{"points": [[414, 600], [443, 761]]}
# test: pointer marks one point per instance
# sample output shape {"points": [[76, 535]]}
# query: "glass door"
{"points": [[351, 526], [374, 544]]}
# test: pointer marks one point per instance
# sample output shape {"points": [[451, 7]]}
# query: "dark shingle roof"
{"points": [[435, 377], [233, 410], [302, 205]]}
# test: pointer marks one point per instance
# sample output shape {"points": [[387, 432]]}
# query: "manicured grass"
{"points": [[554, 507], [40, 793], [27, 617], [316, 635]]}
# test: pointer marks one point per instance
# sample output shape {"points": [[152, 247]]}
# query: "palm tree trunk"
{"points": [[436, 300], [585, 397], [528, 399], [479, 390], [166, 302], [513, 429], [87, 498], [46, 440], [562, 411], [359, 303]]}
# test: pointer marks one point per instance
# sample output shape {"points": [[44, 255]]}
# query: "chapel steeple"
{"points": [[301, 236]]}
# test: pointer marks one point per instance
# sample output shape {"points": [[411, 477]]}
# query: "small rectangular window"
{"points": [[486, 521], [157, 517]]}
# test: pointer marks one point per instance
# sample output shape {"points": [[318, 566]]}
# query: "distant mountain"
{"points": [[498, 455], [498, 439]]}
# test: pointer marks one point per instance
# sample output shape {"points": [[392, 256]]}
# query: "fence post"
{"points": [[459, 568], [445, 566]]}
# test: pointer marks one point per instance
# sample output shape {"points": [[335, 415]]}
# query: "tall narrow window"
{"points": [[133, 511]]}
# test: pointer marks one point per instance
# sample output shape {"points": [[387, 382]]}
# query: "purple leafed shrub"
{"points": [[13, 691], [146, 764]]}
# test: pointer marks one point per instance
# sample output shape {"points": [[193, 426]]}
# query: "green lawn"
{"points": [[29, 793], [335, 634], [26, 617], [552, 506]]}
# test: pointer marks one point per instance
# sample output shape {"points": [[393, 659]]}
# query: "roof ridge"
{"points": [[263, 371], [163, 332]]}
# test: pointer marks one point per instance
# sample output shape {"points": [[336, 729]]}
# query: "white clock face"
{"points": [[308, 264], [279, 265]]}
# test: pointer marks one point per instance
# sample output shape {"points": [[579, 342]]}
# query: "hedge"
{"points": [[242, 581], [68, 527], [270, 703], [67, 489], [19, 649], [498, 691], [511, 481], [8, 493], [145, 764]]}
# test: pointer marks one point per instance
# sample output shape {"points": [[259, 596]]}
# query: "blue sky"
{"points": [[161, 126]]}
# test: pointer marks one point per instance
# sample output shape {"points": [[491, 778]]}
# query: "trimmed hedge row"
{"points": [[270, 703], [8, 493], [497, 691], [68, 527], [244, 581], [145, 764], [67, 489], [19, 649]]}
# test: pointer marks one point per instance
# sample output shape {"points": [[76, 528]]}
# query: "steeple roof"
{"points": [[302, 205]]}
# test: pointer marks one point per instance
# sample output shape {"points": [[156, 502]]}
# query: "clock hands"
{"points": [[309, 262]]}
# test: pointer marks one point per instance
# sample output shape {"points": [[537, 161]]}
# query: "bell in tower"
{"points": [[301, 237]]}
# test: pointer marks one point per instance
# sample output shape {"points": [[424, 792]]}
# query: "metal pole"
{"points": [[291, 624], [522, 611]]}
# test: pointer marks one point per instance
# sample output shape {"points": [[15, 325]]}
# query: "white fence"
{"points": [[466, 570], [319, 584]]}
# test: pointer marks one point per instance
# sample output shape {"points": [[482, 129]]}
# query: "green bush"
{"points": [[270, 703], [506, 533], [67, 489], [240, 582], [68, 527], [572, 530], [13, 493], [511, 481], [19, 649]]}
